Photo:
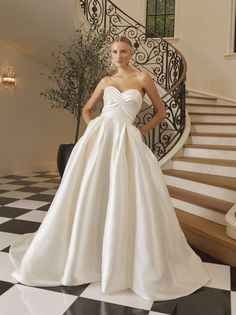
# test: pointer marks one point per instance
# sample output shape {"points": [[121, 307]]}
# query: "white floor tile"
{"points": [[6, 268], [27, 204], [17, 194], [3, 219], [6, 239], [36, 179], [25, 300], [45, 185], [10, 186], [233, 303], [49, 192], [219, 275], [35, 216], [157, 313], [126, 297]]}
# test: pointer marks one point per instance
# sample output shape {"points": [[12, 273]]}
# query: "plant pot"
{"points": [[63, 155]]}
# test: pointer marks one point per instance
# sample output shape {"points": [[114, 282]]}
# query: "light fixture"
{"points": [[8, 77]]}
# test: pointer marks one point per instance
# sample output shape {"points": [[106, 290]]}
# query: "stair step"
{"points": [[208, 236], [210, 151], [212, 138], [215, 106], [213, 134], [197, 126], [213, 117], [206, 161], [201, 97], [211, 147], [207, 166], [215, 180], [211, 203]]}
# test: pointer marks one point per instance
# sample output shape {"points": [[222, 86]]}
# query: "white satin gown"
{"points": [[111, 219]]}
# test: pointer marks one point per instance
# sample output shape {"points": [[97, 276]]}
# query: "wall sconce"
{"points": [[8, 77]]}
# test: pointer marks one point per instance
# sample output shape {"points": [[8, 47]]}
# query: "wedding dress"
{"points": [[111, 219]]}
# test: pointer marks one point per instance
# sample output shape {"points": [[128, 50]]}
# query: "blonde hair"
{"points": [[122, 39]]}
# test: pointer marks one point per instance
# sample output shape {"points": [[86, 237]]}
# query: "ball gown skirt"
{"points": [[111, 219]]}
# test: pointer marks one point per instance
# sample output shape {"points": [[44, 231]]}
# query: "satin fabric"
{"points": [[111, 219]]}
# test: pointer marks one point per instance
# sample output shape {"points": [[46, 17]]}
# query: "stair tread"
{"points": [[212, 98], [215, 180], [205, 227], [212, 123], [213, 134], [211, 203], [206, 161], [210, 105], [212, 114], [211, 147]]}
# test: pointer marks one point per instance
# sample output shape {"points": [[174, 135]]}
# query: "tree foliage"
{"points": [[76, 70]]}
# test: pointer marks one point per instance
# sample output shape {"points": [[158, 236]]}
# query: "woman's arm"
{"points": [[160, 112], [95, 97]]}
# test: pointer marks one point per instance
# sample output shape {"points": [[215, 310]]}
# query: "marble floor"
{"points": [[24, 200]]}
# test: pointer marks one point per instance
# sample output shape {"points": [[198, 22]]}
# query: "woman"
{"points": [[111, 219]]}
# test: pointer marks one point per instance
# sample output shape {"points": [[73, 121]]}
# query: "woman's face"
{"points": [[121, 53]]}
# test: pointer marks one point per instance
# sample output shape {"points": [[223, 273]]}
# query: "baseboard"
{"points": [[13, 169]]}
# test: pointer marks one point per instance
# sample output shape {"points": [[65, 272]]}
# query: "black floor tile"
{"points": [[206, 301], [19, 226], [11, 212], [73, 290], [84, 306], [40, 197], [32, 189], [53, 181], [6, 250], [5, 200], [22, 182], [207, 258], [233, 278], [45, 207], [14, 177], [4, 286]]}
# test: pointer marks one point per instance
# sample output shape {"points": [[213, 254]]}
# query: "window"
{"points": [[160, 17], [235, 31]]}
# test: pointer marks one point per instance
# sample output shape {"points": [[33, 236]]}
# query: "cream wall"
{"points": [[30, 130], [203, 36]]}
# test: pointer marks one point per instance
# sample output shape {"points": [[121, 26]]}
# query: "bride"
{"points": [[111, 219]]}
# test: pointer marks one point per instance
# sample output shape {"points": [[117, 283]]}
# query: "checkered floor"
{"points": [[24, 200]]}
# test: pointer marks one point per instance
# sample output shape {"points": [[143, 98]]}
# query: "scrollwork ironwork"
{"points": [[159, 58]]}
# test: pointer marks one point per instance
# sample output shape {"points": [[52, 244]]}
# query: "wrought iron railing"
{"points": [[160, 59]]}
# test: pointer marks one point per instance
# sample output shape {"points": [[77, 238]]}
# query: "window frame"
{"points": [[165, 15]]}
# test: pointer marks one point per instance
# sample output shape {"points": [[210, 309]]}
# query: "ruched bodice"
{"points": [[122, 105]]}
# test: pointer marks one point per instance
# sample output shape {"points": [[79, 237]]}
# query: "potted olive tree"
{"points": [[75, 71]]}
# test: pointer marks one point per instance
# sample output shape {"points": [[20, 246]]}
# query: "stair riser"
{"points": [[205, 189], [212, 140], [213, 128], [196, 101], [205, 168], [212, 247], [210, 154], [213, 118], [200, 211], [210, 109]]}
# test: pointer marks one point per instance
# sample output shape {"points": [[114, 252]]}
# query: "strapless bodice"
{"points": [[121, 105]]}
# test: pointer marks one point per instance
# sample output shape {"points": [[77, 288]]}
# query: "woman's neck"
{"points": [[124, 72]]}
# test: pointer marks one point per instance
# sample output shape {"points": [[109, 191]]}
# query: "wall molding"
{"points": [[219, 97]]}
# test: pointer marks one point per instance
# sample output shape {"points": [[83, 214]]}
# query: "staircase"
{"points": [[202, 180]]}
